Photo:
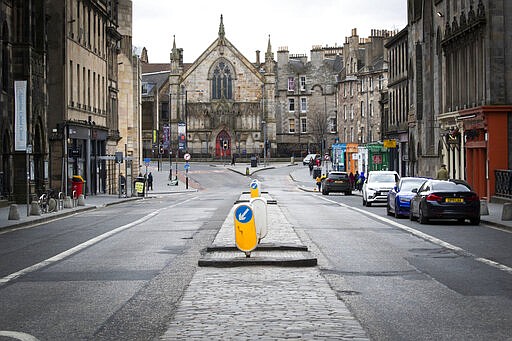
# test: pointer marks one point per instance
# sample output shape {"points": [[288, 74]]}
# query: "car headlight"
{"points": [[405, 200]]}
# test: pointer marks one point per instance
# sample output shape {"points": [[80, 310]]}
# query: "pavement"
{"points": [[277, 292]]}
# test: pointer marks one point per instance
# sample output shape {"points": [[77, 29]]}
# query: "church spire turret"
{"points": [[175, 56], [222, 33], [269, 58]]}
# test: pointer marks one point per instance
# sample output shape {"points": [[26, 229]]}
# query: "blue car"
{"points": [[399, 198]]}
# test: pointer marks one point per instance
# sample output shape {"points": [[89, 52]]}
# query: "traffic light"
{"points": [[161, 149]]}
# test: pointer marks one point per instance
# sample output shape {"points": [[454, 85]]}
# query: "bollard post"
{"points": [[13, 212], [484, 209], [506, 214]]}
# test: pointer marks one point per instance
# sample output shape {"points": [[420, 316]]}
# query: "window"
{"points": [[351, 89], [381, 81], [371, 108], [351, 111], [302, 83], [370, 83], [222, 81], [345, 112], [332, 125], [351, 134], [164, 111], [303, 125], [291, 84], [345, 134], [291, 104], [344, 89], [303, 104], [362, 109], [291, 125]]}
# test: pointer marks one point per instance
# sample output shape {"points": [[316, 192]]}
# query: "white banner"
{"points": [[20, 115]]}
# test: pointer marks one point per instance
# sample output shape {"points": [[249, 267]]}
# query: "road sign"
{"points": [[255, 189], [259, 207], [186, 166], [245, 230], [147, 160], [186, 157]]}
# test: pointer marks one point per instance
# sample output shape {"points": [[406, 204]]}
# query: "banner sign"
{"points": [[166, 136], [20, 115], [182, 136]]}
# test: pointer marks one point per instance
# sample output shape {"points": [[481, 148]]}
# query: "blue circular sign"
{"points": [[243, 214], [254, 185]]}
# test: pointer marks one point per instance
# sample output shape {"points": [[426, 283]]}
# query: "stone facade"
{"points": [[86, 95], [23, 55]]}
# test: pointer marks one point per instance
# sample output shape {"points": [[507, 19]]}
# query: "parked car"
{"points": [[440, 199], [399, 198], [377, 185], [309, 157], [337, 182]]}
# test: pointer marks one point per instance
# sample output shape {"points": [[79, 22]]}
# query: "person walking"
{"points": [[360, 182], [311, 165], [351, 179], [319, 182], [442, 173], [150, 181]]}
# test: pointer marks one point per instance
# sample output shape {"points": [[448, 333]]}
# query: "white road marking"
{"points": [[82, 246], [427, 237], [18, 335]]}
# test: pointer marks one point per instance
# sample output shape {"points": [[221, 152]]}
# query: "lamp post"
{"points": [[264, 124], [169, 149]]}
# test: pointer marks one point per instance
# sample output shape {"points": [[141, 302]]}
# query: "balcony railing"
{"points": [[503, 185]]}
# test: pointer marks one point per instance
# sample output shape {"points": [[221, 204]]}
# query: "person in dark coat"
{"points": [[150, 181]]}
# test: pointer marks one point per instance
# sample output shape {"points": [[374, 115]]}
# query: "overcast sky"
{"points": [[297, 24]]}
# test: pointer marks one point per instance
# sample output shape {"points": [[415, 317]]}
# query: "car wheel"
{"points": [[368, 204], [421, 216], [397, 210], [388, 210], [364, 202], [461, 220], [474, 221], [325, 193], [348, 193]]}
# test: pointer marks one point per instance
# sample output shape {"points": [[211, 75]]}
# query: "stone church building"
{"points": [[220, 105]]}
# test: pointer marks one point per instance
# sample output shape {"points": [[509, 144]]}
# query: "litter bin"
{"points": [[77, 185], [254, 161], [140, 186], [317, 171]]}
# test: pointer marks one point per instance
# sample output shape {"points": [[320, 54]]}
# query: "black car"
{"points": [[337, 182], [440, 199]]}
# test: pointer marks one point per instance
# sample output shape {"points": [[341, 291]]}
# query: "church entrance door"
{"points": [[223, 144]]}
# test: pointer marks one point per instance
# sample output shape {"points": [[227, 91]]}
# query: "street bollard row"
{"points": [[250, 221]]}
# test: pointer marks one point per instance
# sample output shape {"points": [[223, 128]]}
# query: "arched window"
{"points": [[222, 81]]}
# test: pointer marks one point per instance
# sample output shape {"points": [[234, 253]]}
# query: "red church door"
{"points": [[223, 144]]}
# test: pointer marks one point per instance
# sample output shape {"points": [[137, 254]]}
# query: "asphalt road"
{"points": [[403, 280], [118, 273]]}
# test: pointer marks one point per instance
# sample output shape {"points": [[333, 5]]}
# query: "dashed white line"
{"points": [[426, 237], [82, 246]]}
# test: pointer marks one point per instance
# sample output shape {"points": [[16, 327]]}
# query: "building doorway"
{"points": [[223, 144]]}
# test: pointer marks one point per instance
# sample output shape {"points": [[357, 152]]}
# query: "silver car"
{"points": [[377, 186]]}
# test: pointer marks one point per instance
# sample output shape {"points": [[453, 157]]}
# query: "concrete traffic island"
{"points": [[281, 246]]}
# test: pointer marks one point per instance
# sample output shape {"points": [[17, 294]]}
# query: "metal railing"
{"points": [[503, 184]]}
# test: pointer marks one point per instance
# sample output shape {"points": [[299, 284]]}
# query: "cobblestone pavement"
{"points": [[262, 302]]}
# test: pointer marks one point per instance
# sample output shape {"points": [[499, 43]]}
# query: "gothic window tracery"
{"points": [[222, 81]]}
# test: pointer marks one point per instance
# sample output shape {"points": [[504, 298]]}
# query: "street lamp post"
{"points": [[264, 123], [169, 150]]}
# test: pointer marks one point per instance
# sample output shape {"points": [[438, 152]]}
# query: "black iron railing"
{"points": [[503, 184]]}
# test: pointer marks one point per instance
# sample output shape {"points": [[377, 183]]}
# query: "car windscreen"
{"points": [[383, 178], [449, 186], [338, 176], [409, 185]]}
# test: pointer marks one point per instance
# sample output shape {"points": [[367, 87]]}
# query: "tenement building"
{"points": [[460, 81], [86, 92], [23, 93]]}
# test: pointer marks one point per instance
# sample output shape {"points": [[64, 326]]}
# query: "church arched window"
{"points": [[222, 81]]}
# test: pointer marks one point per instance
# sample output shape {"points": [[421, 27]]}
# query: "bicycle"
{"points": [[47, 202]]}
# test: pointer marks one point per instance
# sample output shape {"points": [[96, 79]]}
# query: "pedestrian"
{"points": [[150, 181], [360, 182], [311, 165], [319, 182], [442, 173], [351, 179], [233, 159], [123, 184], [318, 162]]}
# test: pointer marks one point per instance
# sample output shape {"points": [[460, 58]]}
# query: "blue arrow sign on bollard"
{"points": [[243, 214]]}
